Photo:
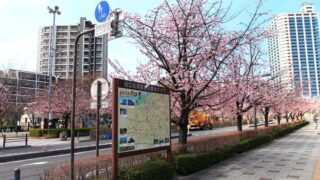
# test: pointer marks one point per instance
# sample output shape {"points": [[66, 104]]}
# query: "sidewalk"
{"points": [[292, 157]]}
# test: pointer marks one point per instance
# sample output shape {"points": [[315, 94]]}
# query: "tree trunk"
{"points": [[239, 116], [183, 130], [278, 118], [239, 121], [266, 116], [66, 121], [287, 118]]}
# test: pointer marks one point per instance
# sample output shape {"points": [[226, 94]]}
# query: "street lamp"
{"points": [[52, 55]]}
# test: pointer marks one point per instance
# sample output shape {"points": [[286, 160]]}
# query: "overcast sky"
{"points": [[21, 19]]}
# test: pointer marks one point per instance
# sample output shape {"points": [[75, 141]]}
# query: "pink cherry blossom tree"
{"points": [[5, 103], [277, 103], [61, 104], [187, 45], [243, 78]]}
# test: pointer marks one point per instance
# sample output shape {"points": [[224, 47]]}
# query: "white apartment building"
{"points": [[294, 50], [64, 54]]}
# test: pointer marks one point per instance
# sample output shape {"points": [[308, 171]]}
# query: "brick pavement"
{"points": [[292, 157]]}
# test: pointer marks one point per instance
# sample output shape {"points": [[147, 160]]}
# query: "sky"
{"points": [[21, 20]]}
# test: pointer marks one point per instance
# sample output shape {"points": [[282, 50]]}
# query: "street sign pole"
{"points": [[114, 172], [74, 85]]}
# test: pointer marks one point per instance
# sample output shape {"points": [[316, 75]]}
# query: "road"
{"points": [[31, 168]]}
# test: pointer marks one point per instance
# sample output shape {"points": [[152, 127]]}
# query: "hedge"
{"points": [[6, 127], [191, 162], [250, 143], [54, 133], [156, 170], [12, 128], [188, 163], [285, 131]]}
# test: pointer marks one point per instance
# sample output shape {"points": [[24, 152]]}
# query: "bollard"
{"points": [[4, 141], [16, 174]]}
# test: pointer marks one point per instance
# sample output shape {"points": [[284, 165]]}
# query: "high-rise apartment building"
{"points": [[294, 50], [88, 59]]}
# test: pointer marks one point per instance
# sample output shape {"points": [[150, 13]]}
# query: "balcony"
{"points": [[46, 37], [61, 42], [62, 37], [27, 76], [26, 84], [60, 69], [42, 78], [62, 29], [26, 91], [41, 85]]}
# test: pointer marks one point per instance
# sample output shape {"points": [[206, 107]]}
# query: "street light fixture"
{"points": [[52, 55]]}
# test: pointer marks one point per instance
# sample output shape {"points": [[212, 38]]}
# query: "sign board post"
{"points": [[99, 91], [140, 120], [98, 117], [98, 124]]}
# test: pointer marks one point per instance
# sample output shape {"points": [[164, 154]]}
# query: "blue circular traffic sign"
{"points": [[102, 11]]}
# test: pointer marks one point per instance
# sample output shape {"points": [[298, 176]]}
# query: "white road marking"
{"points": [[36, 163]]}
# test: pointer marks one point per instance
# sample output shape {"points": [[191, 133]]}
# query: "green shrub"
{"points": [[156, 170], [188, 163], [54, 133], [298, 126], [285, 131], [282, 132], [4, 128], [253, 142], [35, 133]]}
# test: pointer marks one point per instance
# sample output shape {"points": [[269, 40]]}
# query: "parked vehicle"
{"points": [[199, 120]]}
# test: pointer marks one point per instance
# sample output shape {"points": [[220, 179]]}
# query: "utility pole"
{"points": [[52, 55]]}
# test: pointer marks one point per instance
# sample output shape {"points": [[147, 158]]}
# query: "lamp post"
{"points": [[52, 56]]}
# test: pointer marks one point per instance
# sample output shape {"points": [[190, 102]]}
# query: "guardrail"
{"points": [[23, 138]]}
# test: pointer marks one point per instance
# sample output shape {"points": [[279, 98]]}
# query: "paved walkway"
{"points": [[292, 157]]}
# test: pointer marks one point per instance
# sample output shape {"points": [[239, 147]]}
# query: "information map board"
{"points": [[143, 116], [140, 120]]}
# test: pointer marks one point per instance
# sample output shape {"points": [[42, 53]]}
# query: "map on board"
{"points": [[143, 119]]}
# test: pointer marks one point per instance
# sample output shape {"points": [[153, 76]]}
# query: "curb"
{"points": [[316, 171], [58, 152]]}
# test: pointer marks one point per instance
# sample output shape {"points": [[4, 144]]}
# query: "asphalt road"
{"points": [[31, 168]]}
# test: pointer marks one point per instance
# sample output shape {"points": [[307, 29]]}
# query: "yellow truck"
{"points": [[199, 120]]}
